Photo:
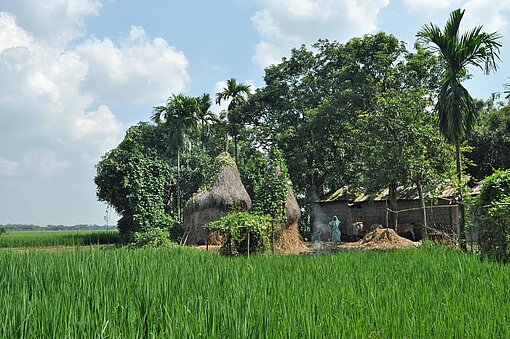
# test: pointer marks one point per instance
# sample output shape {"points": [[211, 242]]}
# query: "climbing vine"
{"points": [[271, 192]]}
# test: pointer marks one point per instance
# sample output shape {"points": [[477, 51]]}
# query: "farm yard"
{"points": [[425, 292]]}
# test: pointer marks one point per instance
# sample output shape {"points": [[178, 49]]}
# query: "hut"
{"points": [[226, 193], [358, 207]]}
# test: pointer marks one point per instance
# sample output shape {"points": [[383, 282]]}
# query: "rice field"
{"points": [[28, 239], [428, 292]]}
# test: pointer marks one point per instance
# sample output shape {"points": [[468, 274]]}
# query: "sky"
{"points": [[75, 74]]}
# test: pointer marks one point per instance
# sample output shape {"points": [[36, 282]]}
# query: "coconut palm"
{"points": [[179, 118], [455, 105], [237, 94]]}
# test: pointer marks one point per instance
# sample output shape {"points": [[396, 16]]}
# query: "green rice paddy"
{"points": [[29, 239], [428, 292]]}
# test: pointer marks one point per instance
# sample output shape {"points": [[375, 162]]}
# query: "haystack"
{"points": [[381, 238], [288, 239], [226, 193]]}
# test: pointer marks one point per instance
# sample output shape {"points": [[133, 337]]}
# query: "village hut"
{"points": [[225, 193], [288, 239]]}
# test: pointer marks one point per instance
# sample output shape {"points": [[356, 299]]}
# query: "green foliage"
{"points": [[245, 233], [492, 213], [427, 292], [3, 230], [316, 103], [152, 237], [139, 180], [134, 179], [271, 192], [490, 141], [457, 114]]}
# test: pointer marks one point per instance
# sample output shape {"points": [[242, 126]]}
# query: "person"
{"points": [[335, 229]]}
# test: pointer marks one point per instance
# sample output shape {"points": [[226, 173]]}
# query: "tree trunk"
{"points": [[179, 184], [424, 234], [235, 149], [461, 233]]}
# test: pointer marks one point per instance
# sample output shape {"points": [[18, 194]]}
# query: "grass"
{"points": [[428, 292], [29, 239]]}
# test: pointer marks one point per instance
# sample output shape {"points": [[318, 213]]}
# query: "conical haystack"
{"points": [[287, 238], [226, 193]]}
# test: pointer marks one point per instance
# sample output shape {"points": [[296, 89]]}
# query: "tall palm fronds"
{"points": [[205, 116], [179, 118], [455, 107], [237, 94], [457, 114]]}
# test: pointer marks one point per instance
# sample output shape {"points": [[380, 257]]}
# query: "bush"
{"points": [[153, 237], [245, 233], [3, 230], [492, 214]]}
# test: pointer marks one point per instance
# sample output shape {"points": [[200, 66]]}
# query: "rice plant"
{"points": [[17, 239], [428, 292]]}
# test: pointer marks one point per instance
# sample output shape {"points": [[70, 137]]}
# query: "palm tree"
{"points": [[455, 105], [237, 94], [179, 118], [205, 116]]}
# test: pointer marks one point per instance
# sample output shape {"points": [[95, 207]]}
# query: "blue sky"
{"points": [[77, 73]]}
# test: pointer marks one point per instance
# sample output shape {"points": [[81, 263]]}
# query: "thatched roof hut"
{"points": [[226, 193]]}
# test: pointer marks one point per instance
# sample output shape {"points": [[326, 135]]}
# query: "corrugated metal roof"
{"points": [[410, 193]]}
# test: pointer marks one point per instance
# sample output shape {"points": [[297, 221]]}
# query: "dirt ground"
{"points": [[379, 239]]}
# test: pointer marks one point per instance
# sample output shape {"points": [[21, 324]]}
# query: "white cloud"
{"points": [[56, 22], [492, 14], [431, 6], [8, 167], [56, 96], [284, 24], [98, 130], [11, 35], [139, 70], [43, 160]]}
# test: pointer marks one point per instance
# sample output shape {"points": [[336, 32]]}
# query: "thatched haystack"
{"points": [[288, 239], [381, 238], [226, 193]]}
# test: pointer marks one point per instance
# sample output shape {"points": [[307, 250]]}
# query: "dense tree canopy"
{"points": [[490, 141], [358, 114], [336, 109]]}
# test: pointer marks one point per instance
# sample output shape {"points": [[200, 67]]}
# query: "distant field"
{"points": [[427, 292], [29, 239]]}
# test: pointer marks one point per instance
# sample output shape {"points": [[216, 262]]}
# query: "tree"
{"points": [[237, 94], [490, 140], [455, 106], [134, 179], [492, 214], [317, 105], [179, 118], [205, 117]]}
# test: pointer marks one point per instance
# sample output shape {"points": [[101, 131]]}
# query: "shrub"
{"points": [[153, 237], [492, 214], [244, 232], [3, 230]]}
